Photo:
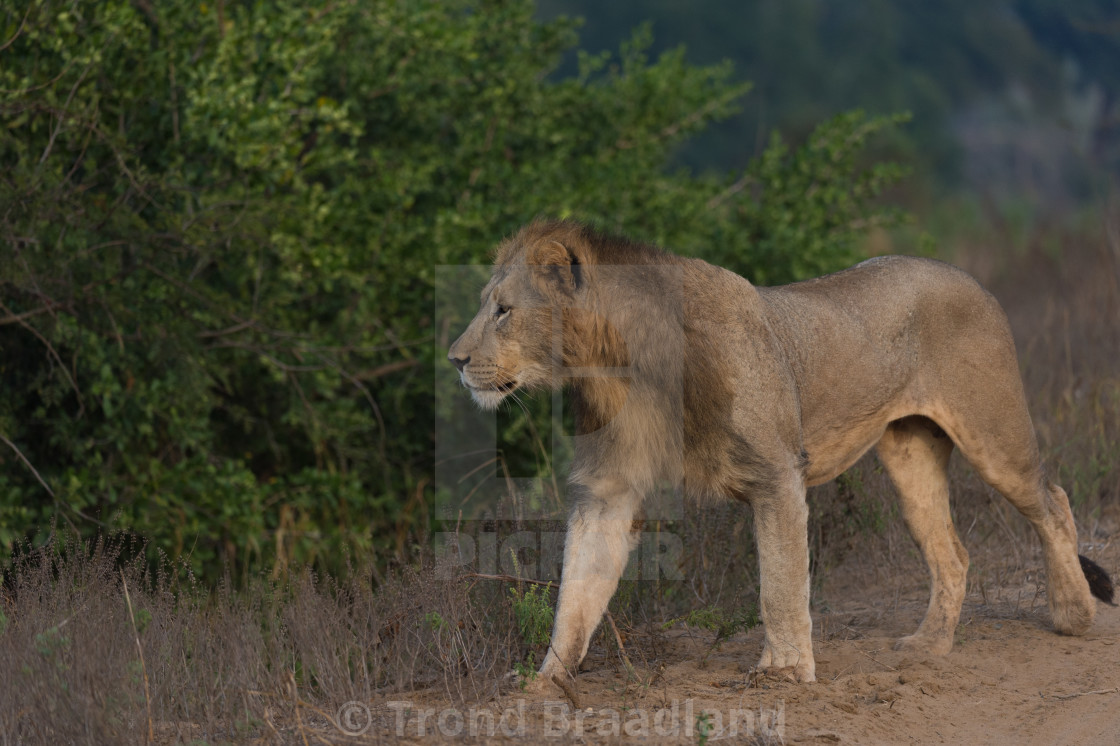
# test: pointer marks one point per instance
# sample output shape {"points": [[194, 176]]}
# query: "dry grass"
{"points": [[274, 661], [268, 661]]}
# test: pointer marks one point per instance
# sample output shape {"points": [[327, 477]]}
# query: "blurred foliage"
{"points": [[1033, 81], [219, 228]]}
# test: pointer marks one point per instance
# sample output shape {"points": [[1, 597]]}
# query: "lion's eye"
{"points": [[502, 311]]}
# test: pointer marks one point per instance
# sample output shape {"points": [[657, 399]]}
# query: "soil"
{"points": [[1009, 679]]}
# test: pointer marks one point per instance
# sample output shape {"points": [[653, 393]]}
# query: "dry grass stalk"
{"points": [[140, 652]]}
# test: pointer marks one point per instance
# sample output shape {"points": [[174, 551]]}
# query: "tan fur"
{"points": [[685, 372]]}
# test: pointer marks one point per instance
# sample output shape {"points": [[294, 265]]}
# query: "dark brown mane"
{"points": [[594, 245]]}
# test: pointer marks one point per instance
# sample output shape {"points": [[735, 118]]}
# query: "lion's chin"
{"points": [[491, 397], [487, 399]]}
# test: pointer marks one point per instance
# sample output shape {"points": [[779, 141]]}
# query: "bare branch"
{"points": [[17, 318], [385, 369], [19, 30], [510, 579], [51, 351], [32, 89], [65, 110], [47, 487], [27, 463], [730, 191]]}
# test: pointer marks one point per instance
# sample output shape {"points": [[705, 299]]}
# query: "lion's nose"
{"points": [[459, 362]]}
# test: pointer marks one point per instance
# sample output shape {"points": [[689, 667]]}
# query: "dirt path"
{"points": [[1009, 679]]}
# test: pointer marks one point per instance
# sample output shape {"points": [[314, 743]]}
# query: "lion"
{"points": [[685, 372]]}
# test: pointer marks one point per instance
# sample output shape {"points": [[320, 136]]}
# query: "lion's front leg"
{"points": [[781, 525], [600, 537]]}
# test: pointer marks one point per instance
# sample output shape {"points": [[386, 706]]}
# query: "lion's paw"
{"points": [[788, 660], [533, 683], [923, 643], [529, 683], [1072, 613]]}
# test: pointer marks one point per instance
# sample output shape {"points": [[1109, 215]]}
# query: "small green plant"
{"points": [[434, 621], [143, 619], [445, 644], [51, 643], [533, 612], [527, 671], [715, 619], [531, 609], [703, 728]]}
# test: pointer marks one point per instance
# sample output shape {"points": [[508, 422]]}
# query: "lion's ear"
{"points": [[555, 269]]}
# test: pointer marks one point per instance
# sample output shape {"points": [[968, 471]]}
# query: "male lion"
{"points": [[682, 371]]}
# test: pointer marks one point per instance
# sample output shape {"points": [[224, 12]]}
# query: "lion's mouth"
{"points": [[503, 387]]}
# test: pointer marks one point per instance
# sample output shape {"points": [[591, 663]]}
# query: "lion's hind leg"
{"points": [[915, 453], [975, 392], [1046, 506], [1006, 456]]}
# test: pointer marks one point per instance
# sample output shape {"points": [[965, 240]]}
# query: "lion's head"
{"points": [[509, 343]]}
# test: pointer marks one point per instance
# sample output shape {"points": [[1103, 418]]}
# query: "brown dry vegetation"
{"points": [[97, 647]]}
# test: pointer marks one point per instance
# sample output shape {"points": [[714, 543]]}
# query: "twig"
{"points": [[1113, 690], [672, 129], [387, 368], [271, 725], [53, 353], [325, 715], [884, 665], [239, 327], [143, 667], [294, 691], [513, 579], [174, 102], [373, 407], [730, 191], [27, 463], [47, 487], [66, 111], [621, 649], [19, 30], [17, 318], [568, 690]]}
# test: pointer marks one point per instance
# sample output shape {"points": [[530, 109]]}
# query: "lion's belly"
{"points": [[833, 451], [844, 414]]}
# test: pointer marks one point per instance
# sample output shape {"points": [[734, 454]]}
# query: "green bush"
{"points": [[219, 227]]}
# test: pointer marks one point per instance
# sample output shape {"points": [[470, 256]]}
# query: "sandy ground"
{"points": [[1009, 679]]}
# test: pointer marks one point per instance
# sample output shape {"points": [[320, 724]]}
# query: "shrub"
{"points": [[220, 229]]}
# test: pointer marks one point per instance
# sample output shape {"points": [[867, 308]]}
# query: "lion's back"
{"points": [[890, 295]]}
